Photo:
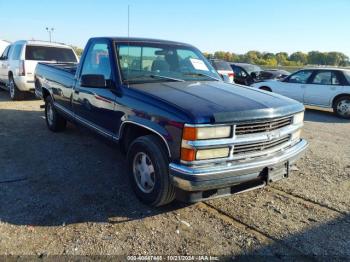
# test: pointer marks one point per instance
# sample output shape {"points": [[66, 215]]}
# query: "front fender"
{"points": [[169, 132]]}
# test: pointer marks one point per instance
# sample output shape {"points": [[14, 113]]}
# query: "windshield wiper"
{"points": [[200, 74], [152, 76], [167, 77]]}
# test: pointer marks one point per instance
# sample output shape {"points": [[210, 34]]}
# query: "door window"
{"points": [[16, 54], [347, 75], [266, 75], [97, 61], [4, 55], [325, 78], [300, 77], [239, 72]]}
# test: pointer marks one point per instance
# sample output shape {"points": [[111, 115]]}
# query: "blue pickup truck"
{"points": [[186, 133]]}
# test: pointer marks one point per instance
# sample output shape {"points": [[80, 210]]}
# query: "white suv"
{"points": [[18, 62]]}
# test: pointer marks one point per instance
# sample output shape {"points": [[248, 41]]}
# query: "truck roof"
{"points": [[40, 42], [143, 40]]}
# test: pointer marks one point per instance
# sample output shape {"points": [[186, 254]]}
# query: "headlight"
{"points": [[189, 154], [298, 118], [212, 153], [200, 133], [296, 135]]}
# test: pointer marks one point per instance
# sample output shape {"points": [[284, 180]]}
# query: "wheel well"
{"points": [[45, 93], [266, 88], [130, 132], [336, 98]]}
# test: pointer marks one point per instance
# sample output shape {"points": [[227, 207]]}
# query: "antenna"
{"points": [[128, 41], [128, 21]]}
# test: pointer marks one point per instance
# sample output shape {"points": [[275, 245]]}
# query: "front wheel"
{"points": [[148, 171], [342, 107], [54, 121]]}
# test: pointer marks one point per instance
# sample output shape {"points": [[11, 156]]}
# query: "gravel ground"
{"points": [[68, 194]]}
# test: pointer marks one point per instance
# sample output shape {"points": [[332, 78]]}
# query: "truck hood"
{"points": [[219, 102]]}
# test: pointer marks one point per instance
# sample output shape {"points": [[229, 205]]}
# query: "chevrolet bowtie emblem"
{"points": [[273, 136]]}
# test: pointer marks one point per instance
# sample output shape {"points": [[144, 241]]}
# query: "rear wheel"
{"points": [[148, 171], [55, 122], [15, 93], [265, 88], [341, 107]]}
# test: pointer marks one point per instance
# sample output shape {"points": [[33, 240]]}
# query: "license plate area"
{"points": [[278, 172]]}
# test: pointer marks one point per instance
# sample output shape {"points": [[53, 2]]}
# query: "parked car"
{"points": [[187, 133], [245, 74], [18, 62], [224, 69], [273, 74], [320, 87]]}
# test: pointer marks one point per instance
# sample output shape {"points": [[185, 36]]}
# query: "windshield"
{"points": [[48, 53], [252, 68], [144, 63]]}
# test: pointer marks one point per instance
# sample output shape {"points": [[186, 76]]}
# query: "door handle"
{"points": [[76, 91]]}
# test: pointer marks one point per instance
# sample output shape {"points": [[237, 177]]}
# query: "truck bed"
{"points": [[60, 73], [68, 67]]}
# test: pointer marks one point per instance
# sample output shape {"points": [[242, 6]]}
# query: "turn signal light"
{"points": [[189, 133], [188, 154]]}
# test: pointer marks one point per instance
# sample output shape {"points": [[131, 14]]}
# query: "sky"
{"points": [[211, 25]]}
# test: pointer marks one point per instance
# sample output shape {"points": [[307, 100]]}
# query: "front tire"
{"points": [[149, 172], [15, 93], [54, 121], [341, 107]]}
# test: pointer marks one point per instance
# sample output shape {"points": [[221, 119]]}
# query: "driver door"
{"points": [[294, 86], [95, 107]]}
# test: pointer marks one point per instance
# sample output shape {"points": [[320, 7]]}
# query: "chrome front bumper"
{"points": [[232, 173]]}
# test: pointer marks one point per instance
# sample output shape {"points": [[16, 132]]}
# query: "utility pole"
{"points": [[50, 31]]}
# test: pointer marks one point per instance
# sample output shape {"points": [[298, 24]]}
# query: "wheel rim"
{"points": [[49, 113], [12, 88], [343, 107], [143, 170]]}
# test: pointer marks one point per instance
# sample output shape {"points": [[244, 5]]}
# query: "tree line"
{"points": [[77, 50], [283, 59], [276, 59]]}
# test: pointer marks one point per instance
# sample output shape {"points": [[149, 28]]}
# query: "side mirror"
{"points": [[253, 75], [95, 81]]}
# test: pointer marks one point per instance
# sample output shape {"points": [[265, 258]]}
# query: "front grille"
{"points": [[259, 147], [262, 126]]}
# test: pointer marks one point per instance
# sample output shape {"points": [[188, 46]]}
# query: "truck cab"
{"points": [[186, 133]]}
